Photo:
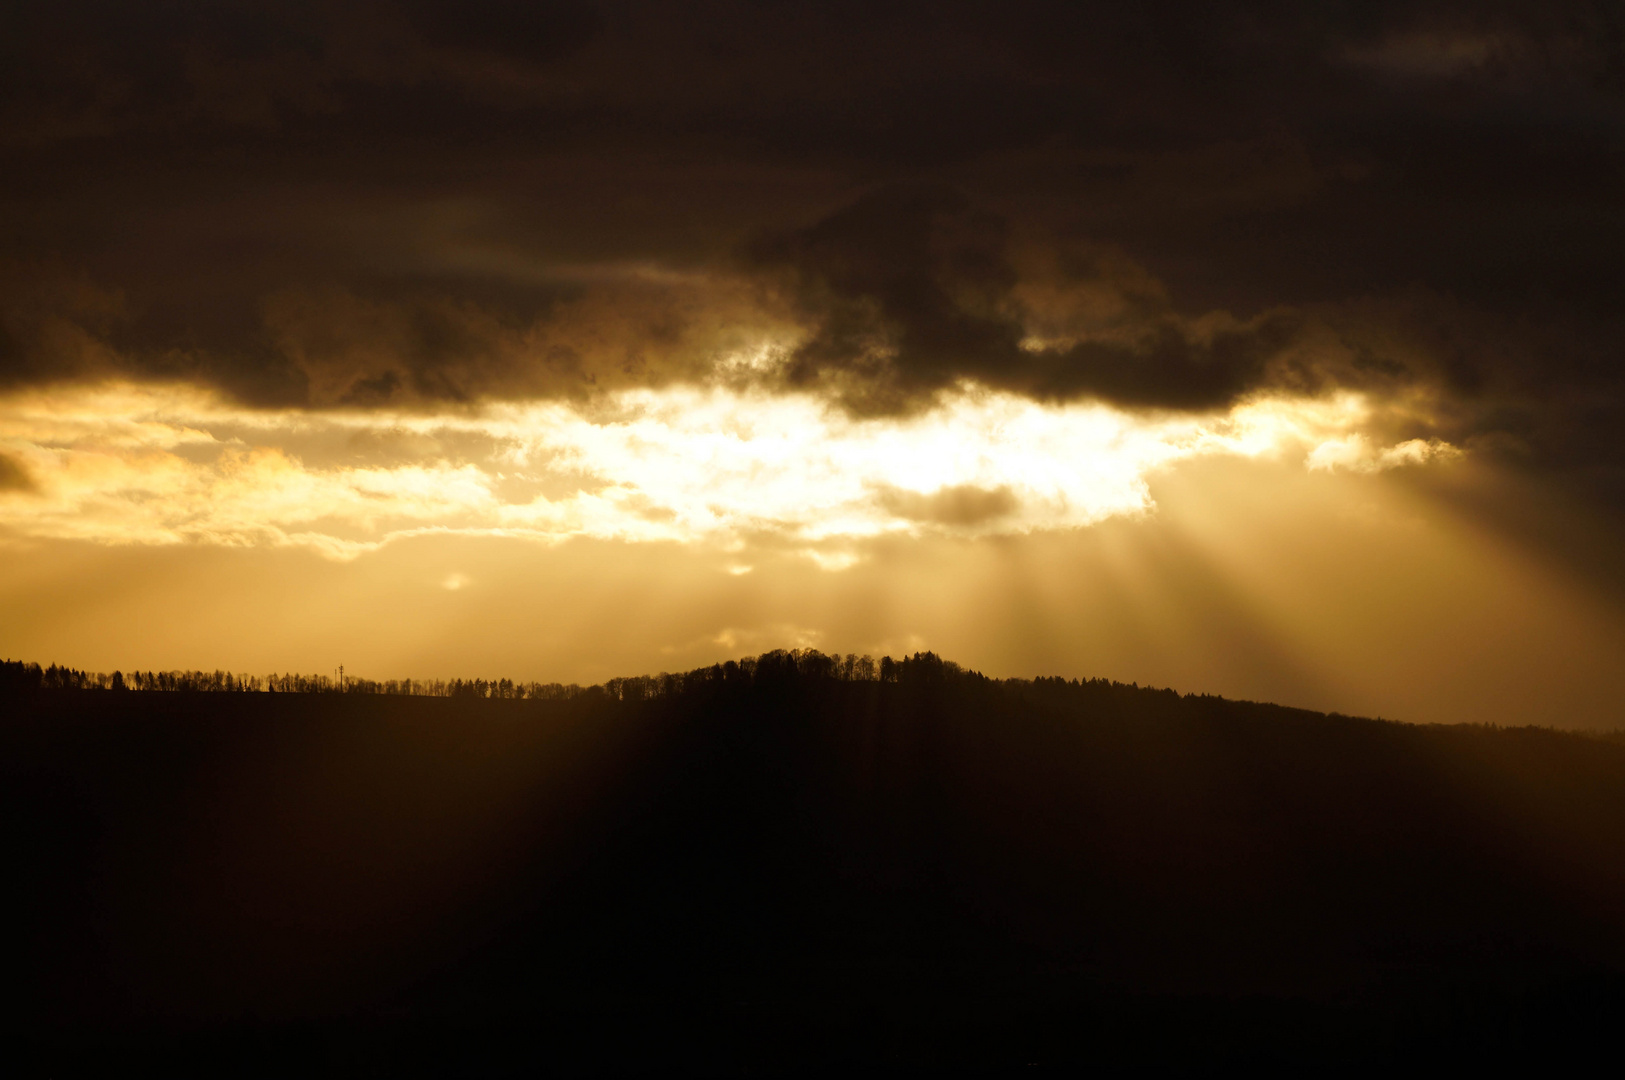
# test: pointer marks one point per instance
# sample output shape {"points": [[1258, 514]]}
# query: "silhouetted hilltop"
{"points": [[20, 678], [796, 860]]}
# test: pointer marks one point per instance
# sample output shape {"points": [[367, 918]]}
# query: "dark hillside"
{"points": [[770, 867]]}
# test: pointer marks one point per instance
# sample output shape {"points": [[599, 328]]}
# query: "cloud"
{"points": [[14, 477], [421, 205], [723, 468], [911, 289], [1357, 454], [959, 505]]}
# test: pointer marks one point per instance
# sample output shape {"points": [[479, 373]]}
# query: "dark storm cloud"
{"points": [[911, 288], [1166, 205]]}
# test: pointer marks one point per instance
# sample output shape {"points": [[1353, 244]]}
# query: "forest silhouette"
{"points": [[791, 861]]}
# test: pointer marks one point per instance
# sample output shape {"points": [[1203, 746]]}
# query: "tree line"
{"points": [[18, 677], [775, 667]]}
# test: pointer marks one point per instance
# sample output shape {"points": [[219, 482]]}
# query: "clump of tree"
{"points": [[17, 677]]}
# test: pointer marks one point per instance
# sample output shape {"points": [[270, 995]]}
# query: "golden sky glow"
{"points": [[1282, 550], [1252, 577], [125, 464]]}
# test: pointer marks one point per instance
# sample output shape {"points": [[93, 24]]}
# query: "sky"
{"points": [[1269, 350]]}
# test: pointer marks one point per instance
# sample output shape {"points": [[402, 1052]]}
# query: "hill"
{"points": [[793, 863]]}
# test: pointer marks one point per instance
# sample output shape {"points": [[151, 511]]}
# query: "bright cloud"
{"points": [[1358, 454], [145, 465]]}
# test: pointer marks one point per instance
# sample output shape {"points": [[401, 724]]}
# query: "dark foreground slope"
{"points": [[791, 871]]}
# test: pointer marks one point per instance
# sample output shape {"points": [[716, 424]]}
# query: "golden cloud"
{"points": [[139, 464]]}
